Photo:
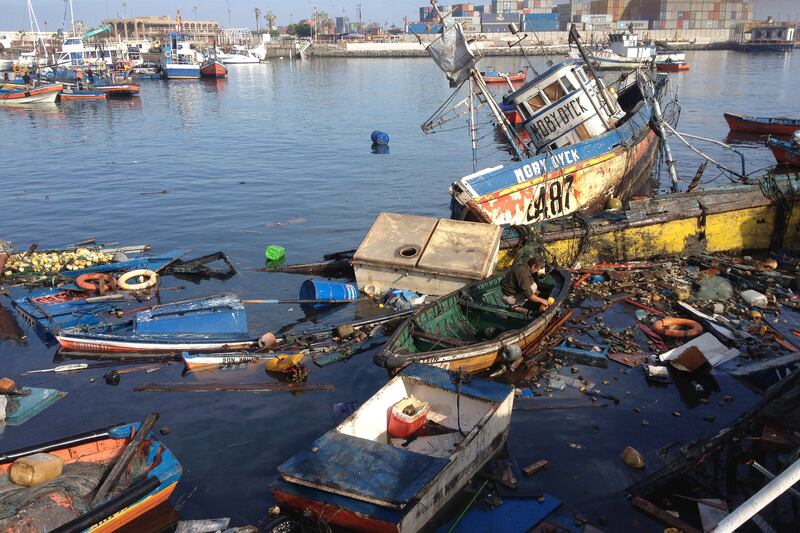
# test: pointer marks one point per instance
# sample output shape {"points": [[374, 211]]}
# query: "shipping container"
{"points": [[424, 28], [541, 22], [500, 17]]}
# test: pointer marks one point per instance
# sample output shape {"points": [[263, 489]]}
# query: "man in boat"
{"points": [[519, 286], [796, 139]]}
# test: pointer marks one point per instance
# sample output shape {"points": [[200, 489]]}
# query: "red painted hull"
{"points": [[333, 514], [214, 70], [743, 124], [786, 157], [517, 77], [514, 117], [672, 67]]}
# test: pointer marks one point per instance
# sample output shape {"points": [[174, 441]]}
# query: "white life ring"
{"points": [[149, 279], [168, 53]]}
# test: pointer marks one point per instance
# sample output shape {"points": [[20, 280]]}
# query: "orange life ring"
{"points": [[680, 328], [96, 282]]}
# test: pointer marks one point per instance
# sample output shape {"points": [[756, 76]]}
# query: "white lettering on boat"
{"points": [[537, 168]]}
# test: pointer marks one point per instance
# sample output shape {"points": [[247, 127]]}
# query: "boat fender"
{"points": [[511, 352], [379, 137], [148, 279], [679, 328], [93, 282]]}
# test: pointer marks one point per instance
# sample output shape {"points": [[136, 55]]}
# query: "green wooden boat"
{"points": [[470, 328]]}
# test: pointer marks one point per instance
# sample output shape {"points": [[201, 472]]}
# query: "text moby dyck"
{"points": [[537, 168]]}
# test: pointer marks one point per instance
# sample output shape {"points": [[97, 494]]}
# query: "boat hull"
{"points": [[39, 95], [516, 77], [90, 344], [173, 73], [214, 70], [120, 91], [672, 67], [762, 125], [82, 95], [784, 152]]}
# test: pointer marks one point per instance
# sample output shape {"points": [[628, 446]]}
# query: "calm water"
{"points": [[280, 153]]}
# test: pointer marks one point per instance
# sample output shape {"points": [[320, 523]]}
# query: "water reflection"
{"points": [[378, 148]]}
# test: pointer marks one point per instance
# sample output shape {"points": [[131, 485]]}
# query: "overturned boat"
{"points": [[379, 471], [472, 328], [587, 143]]}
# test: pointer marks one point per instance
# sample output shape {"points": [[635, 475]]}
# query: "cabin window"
{"points": [[583, 133], [568, 84], [537, 102], [554, 91]]}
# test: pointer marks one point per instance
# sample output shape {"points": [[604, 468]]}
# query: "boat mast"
{"points": [[72, 18], [472, 130], [35, 29]]}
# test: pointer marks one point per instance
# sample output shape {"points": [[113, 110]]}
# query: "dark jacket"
{"points": [[518, 280]]}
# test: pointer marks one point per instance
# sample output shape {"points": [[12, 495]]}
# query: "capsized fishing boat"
{"points": [[43, 94], [472, 328], [786, 152], [360, 477], [589, 146], [212, 324], [764, 125], [492, 75], [65, 502]]}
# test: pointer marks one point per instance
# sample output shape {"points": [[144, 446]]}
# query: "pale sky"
{"points": [[13, 13]]}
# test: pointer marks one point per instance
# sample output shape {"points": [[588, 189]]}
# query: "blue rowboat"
{"points": [[395, 484], [785, 152], [212, 324], [86, 457]]}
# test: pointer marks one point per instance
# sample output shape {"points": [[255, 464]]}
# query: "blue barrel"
{"points": [[312, 289], [378, 137]]}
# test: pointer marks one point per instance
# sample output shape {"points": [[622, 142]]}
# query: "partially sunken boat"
{"points": [[587, 145], [472, 328], [362, 477]]}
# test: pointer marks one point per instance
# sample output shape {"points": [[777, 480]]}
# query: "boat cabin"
{"points": [[563, 107], [178, 50], [627, 44], [75, 53]]}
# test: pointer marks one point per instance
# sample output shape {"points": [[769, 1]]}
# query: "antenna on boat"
{"points": [[514, 29], [574, 37]]}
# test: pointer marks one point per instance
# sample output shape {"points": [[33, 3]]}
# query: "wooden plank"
{"points": [[538, 466], [656, 512], [234, 387]]}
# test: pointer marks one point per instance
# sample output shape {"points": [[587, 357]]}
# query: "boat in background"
{"points": [[764, 125], [118, 90], [239, 55], [178, 59], [212, 324], [770, 37], [786, 152], [492, 75], [472, 328], [212, 67], [363, 478], [148, 482], [624, 52], [43, 94], [670, 66]]}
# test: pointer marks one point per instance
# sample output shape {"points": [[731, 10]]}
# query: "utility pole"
{"points": [[228, 2]]}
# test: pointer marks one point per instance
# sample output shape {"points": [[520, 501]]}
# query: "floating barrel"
{"points": [[379, 137], [328, 290]]}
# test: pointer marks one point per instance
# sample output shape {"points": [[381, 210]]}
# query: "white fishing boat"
{"points": [[178, 59], [75, 53], [238, 55], [624, 52], [397, 460], [6, 64]]}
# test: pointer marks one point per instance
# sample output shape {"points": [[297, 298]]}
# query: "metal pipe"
{"points": [[498, 113], [660, 122], [729, 147], [760, 499], [472, 133]]}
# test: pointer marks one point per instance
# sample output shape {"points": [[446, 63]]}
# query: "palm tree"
{"points": [[270, 20], [258, 18]]}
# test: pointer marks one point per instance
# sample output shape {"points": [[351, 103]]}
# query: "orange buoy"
{"points": [[96, 282], [680, 328]]}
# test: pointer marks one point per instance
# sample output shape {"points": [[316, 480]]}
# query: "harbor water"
{"points": [[279, 153]]}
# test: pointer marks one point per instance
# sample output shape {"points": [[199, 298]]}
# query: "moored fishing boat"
{"points": [[65, 502], [672, 66], [77, 93], [494, 76], [763, 125], [118, 90], [471, 329], [213, 69], [178, 60], [361, 477], [44, 94], [786, 152], [213, 324]]}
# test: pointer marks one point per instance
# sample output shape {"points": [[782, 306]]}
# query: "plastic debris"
{"points": [[632, 458], [754, 298], [714, 288]]}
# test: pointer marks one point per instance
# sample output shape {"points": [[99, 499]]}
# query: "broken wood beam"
{"points": [[234, 387], [538, 466], [656, 512]]}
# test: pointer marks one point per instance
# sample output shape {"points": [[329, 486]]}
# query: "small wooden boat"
{"points": [[670, 66], [494, 76], [213, 324], [206, 361], [64, 503], [44, 94], [357, 477], [73, 93], [764, 125], [785, 152], [119, 90], [469, 329], [213, 69]]}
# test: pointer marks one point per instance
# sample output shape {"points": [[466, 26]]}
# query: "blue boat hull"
{"points": [[172, 73]]}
